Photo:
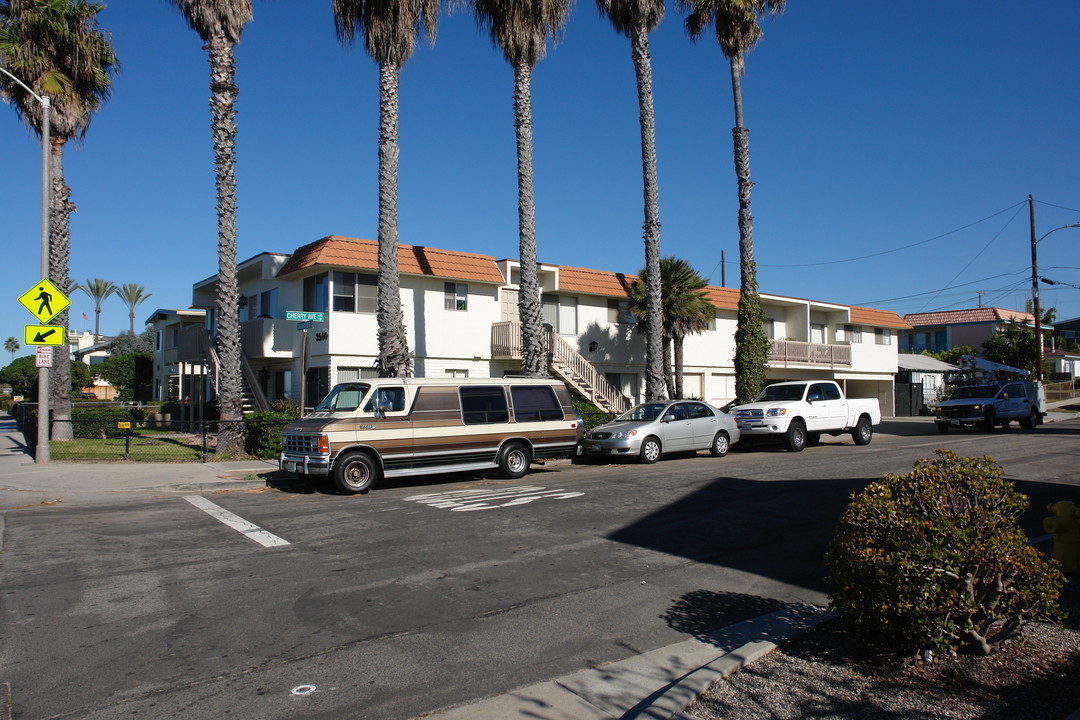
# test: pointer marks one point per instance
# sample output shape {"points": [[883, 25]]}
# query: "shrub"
{"points": [[98, 422], [262, 432], [935, 560], [592, 415]]}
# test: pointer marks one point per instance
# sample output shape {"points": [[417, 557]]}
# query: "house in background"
{"points": [[1064, 365], [919, 383], [173, 378], [90, 351], [1066, 333], [943, 330], [461, 317]]}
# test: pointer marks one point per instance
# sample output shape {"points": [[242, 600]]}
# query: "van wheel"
{"points": [[796, 436], [514, 461], [863, 432], [1030, 421], [355, 473], [720, 444], [650, 451]]}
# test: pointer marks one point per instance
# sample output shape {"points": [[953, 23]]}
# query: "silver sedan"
{"points": [[651, 429]]}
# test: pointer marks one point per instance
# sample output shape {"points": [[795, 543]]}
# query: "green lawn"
{"points": [[150, 448]]}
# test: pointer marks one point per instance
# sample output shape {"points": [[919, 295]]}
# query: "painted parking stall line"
{"points": [[237, 523], [479, 499]]}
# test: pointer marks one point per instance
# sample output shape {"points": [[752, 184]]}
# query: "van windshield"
{"points": [[343, 398]]}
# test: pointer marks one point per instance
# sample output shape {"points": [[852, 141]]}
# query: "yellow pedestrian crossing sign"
{"points": [[44, 300], [44, 334]]}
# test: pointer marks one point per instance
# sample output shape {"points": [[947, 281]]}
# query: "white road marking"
{"points": [[481, 499], [236, 522]]}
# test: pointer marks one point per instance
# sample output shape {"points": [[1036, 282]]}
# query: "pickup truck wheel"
{"points": [[1030, 421], [942, 427], [514, 461], [721, 443], [863, 432], [650, 451], [355, 473], [796, 436]]}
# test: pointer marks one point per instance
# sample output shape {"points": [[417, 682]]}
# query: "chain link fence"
{"points": [[129, 435]]}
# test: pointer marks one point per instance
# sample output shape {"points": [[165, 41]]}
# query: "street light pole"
{"points": [[41, 454], [1035, 285]]}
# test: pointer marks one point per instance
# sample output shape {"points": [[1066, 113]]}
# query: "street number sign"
{"points": [[44, 334], [305, 316], [44, 301]]}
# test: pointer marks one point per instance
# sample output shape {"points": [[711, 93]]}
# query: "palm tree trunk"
{"points": [[669, 377], [394, 357], [751, 345], [223, 92], [534, 361], [677, 341], [131, 321], [654, 348], [60, 211]]}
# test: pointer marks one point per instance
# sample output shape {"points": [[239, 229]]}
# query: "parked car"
{"points": [[649, 430], [799, 413], [87, 396]]}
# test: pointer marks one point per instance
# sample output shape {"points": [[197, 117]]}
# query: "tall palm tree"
{"points": [[521, 29], [737, 31], [12, 345], [685, 310], [219, 24], [57, 48], [636, 19], [98, 290], [132, 294], [391, 29]]}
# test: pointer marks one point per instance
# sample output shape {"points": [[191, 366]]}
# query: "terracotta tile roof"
{"points": [[595, 282], [724, 298], [412, 259], [878, 318], [972, 315]]}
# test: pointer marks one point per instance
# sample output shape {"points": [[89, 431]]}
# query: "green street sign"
{"points": [[301, 316]]}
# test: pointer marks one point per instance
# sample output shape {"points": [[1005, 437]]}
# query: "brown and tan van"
{"points": [[393, 427]]}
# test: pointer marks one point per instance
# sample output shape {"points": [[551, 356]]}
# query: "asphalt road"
{"points": [[427, 594]]}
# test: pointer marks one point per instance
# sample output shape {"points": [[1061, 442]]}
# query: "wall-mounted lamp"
{"points": [[593, 345]]}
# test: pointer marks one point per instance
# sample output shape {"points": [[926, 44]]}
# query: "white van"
{"points": [[393, 427]]}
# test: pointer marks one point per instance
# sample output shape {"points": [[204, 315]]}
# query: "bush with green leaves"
{"points": [[262, 430], [100, 422], [934, 560]]}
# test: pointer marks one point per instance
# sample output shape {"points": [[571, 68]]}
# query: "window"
{"points": [[823, 391], [349, 374], [560, 312], [457, 373], [315, 293], [157, 339], [483, 405], [455, 296], [386, 399], [268, 303], [770, 328], [251, 306], [354, 292], [698, 410], [618, 312], [882, 336], [853, 333], [534, 404]]}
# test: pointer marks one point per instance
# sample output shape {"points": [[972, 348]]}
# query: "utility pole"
{"points": [[1035, 293]]}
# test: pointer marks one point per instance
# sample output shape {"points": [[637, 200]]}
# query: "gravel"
{"points": [[819, 675]]}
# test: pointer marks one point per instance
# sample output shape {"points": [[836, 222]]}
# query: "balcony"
{"points": [[785, 352]]}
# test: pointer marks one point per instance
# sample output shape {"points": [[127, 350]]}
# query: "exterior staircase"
{"points": [[564, 362], [252, 396]]}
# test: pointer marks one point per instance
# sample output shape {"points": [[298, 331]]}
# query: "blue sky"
{"points": [[893, 148]]}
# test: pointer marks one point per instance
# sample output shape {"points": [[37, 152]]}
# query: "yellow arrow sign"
{"points": [[44, 301], [44, 334]]}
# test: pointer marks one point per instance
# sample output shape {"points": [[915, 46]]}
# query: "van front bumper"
{"points": [[304, 464]]}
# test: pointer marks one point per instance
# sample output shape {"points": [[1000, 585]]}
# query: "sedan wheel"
{"points": [[650, 451], [720, 444]]}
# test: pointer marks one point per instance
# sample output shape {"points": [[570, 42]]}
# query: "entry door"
{"points": [[510, 311]]}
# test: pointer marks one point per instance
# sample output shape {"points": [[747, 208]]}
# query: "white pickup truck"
{"points": [[800, 412]]}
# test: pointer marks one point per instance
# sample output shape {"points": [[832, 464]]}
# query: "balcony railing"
{"points": [[792, 351]]}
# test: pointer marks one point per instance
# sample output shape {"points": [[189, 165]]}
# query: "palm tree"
{"points": [[391, 29], [57, 48], [12, 345], [132, 294], [685, 309], [97, 289], [636, 19], [737, 31], [219, 24], [521, 29]]}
